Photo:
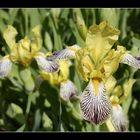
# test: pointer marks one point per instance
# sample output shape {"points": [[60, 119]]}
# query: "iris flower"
{"points": [[96, 63], [60, 78], [24, 51], [118, 94]]}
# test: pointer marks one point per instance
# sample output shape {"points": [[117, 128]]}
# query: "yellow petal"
{"points": [[26, 43], [14, 53], [114, 99], [36, 42], [111, 62], [110, 84], [127, 87], [100, 39], [57, 77], [51, 77], [9, 36], [118, 91], [37, 31], [24, 54], [84, 64]]}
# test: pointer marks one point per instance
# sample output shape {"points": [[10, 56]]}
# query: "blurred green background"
{"points": [[22, 110]]}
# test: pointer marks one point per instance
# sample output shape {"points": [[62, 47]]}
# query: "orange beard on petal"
{"points": [[96, 82]]}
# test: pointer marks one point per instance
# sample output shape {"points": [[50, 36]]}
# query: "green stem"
{"points": [[28, 107], [60, 112], [28, 104], [26, 21], [97, 128], [110, 126]]}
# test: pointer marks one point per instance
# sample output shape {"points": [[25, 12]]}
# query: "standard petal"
{"points": [[131, 61], [49, 66], [95, 108], [67, 90], [100, 39], [10, 36], [5, 67], [119, 118], [67, 53]]}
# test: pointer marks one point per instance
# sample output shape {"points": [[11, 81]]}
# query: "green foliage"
{"points": [[22, 109]]}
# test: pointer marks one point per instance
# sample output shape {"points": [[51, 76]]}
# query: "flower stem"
{"points": [[28, 104], [110, 126]]}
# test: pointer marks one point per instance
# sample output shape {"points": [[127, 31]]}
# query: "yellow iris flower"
{"points": [[61, 78], [24, 51], [118, 120], [57, 77], [96, 63]]}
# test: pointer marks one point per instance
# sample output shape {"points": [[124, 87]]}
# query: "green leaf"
{"points": [[74, 29], [25, 74], [48, 41], [30, 84], [34, 17], [47, 103], [127, 94], [136, 42], [4, 15], [57, 39], [2, 26], [13, 110], [21, 129], [47, 122], [110, 15], [82, 29], [37, 120], [12, 14]]}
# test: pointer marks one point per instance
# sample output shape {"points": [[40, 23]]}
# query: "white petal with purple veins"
{"points": [[68, 53], [95, 108], [131, 61], [5, 67], [49, 66], [119, 118], [67, 90]]}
